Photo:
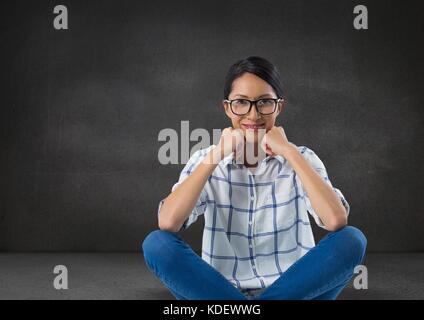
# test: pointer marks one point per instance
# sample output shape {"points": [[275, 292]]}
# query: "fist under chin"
{"points": [[253, 136]]}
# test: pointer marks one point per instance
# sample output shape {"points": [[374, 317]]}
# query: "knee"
{"points": [[155, 243], [354, 242]]}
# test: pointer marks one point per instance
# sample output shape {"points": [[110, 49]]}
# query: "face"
{"points": [[251, 87]]}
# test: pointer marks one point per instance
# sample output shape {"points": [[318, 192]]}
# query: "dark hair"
{"points": [[259, 67]]}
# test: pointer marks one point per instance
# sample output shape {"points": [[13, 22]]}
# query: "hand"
{"points": [[232, 140], [275, 142]]}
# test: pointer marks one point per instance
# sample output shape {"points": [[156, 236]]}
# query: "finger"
{"points": [[238, 133], [238, 140], [269, 151], [262, 144], [266, 148]]}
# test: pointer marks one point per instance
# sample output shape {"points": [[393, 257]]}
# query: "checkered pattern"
{"points": [[256, 225]]}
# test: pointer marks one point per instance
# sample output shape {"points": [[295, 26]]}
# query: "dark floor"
{"points": [[124, 276]]}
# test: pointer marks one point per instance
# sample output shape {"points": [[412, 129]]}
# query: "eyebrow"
{"points": [[262, 96]]}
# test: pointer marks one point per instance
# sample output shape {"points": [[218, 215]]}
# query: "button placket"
{"points": [[251, 225]]}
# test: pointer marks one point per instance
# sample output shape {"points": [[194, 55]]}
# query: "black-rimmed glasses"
{"points": [[242, 107]]}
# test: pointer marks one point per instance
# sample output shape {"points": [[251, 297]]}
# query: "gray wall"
{"points": [[81, 110]]}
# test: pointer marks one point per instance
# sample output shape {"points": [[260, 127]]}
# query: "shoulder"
{"points": [[305, 151], [310, 155]]}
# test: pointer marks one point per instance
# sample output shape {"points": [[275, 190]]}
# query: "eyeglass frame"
{"points": [[276, 101]]}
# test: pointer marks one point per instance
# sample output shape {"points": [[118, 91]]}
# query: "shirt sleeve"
{"points": [[201, 202], [319, 167]]}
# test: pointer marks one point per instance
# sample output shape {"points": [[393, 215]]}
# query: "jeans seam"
{"points": [[328, 286]]}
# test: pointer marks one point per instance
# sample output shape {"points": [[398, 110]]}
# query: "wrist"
{"points": [[287, 150], [214, 156]]}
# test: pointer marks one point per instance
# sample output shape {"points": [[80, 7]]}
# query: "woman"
{"points": [[257, 240]]}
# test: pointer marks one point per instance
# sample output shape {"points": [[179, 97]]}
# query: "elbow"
{"points": [[339, 221], [165, 224], [169, 227]]}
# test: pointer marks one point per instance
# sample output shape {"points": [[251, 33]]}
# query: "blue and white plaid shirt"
{"points": [[256, 225]]}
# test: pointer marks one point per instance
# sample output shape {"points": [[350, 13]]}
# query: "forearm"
{"points": [[180, 203], [322, 196]]}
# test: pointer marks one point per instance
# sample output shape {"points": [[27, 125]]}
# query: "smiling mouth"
{"points": [[253, 126]]}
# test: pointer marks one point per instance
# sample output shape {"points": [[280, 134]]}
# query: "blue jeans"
{"points": [[321, 273]]}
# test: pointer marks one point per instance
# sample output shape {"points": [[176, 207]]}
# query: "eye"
{"points": [[266, 102], [241, 102]]}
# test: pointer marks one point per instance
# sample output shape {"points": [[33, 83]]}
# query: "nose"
{"points": [[254, 114]]}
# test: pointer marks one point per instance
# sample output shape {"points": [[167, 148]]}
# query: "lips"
{"points": [[254, 126]]}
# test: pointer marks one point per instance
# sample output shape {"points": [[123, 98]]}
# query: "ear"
{"points": [[226, 107], [280, 106]]}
